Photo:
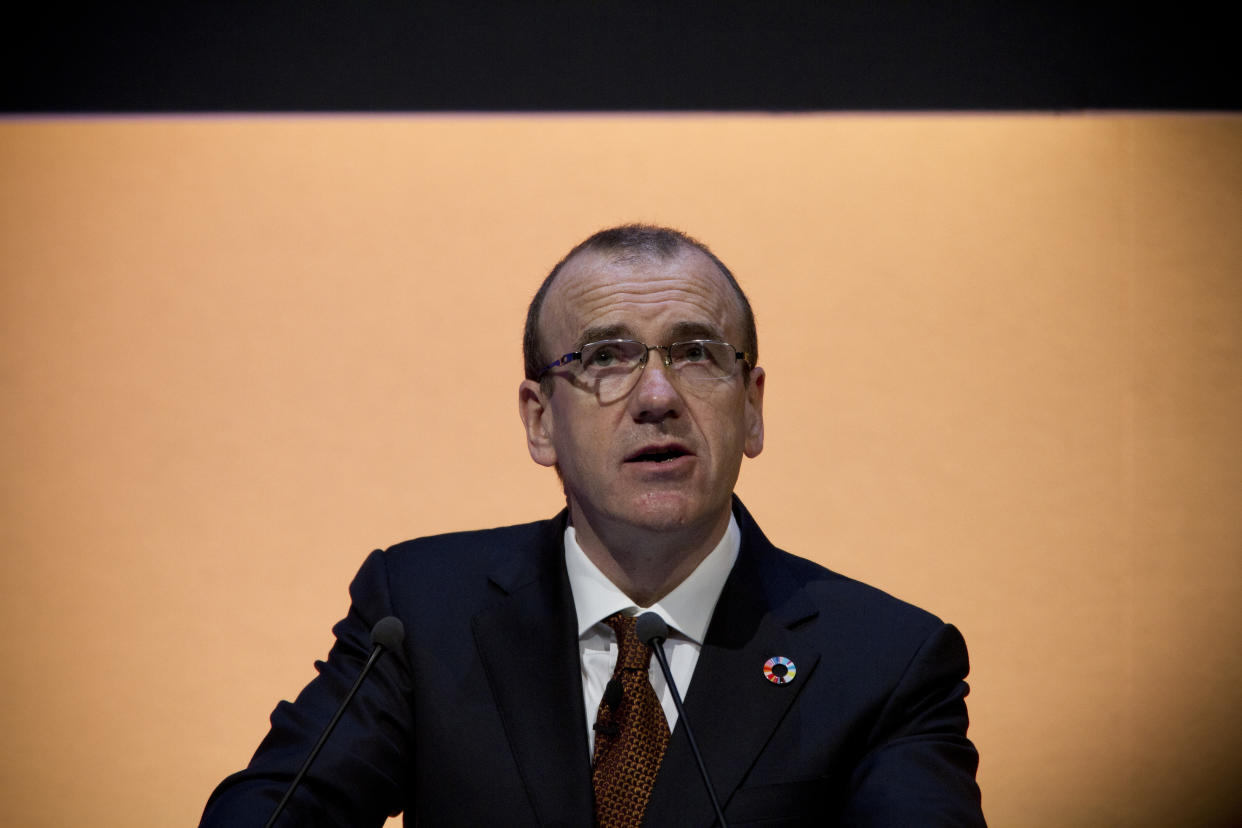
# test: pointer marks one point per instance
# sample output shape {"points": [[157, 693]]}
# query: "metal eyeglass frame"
{"points": [[666, 357]]}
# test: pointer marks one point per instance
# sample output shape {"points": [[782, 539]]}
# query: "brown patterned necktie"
{"points": [[630, 735]]}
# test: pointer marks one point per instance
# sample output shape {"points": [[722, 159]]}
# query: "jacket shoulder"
{"points": [[435, 567], [846, 602], [843, 595], [476, 544]]}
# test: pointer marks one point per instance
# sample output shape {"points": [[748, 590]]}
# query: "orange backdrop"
{"points": [[1003, 383]]}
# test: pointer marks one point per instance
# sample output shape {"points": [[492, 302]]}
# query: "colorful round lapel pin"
{"points": [[779, 670]]}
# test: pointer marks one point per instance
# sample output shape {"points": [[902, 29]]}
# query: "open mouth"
{"points": [[657, 455]]}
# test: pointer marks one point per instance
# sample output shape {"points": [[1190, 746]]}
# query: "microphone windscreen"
{"points": [[388, 633], [650, 627]]}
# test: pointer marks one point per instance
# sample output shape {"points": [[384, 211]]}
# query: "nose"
{"points": [[664, 352], [655, 396]]}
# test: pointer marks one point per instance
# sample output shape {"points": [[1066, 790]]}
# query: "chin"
{"points": [[667, 511]]}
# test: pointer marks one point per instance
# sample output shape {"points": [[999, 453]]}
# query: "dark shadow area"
{"points": [[617, 56]]}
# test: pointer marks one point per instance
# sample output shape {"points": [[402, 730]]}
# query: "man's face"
{"points": [[666, 455]]}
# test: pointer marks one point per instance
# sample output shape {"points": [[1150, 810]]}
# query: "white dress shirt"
{"points": [[687, 610]]}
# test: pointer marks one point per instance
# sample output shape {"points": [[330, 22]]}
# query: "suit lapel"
{"points": [[528, 644], [732, 707]]}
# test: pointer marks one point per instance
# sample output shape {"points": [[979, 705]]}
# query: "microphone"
{"points": [[653, 632], [387, 634]]}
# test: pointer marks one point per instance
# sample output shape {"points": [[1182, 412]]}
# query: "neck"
{"points": [[646, 564]]}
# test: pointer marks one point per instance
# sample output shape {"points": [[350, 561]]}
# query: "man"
{"points": [[519, 696]]}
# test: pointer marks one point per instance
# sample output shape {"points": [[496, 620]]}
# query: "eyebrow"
{"points": [[598, 334], [680, 332], [694, 330]]}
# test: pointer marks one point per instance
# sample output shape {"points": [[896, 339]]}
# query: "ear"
{"points": [[536, 414], [754, 413]]}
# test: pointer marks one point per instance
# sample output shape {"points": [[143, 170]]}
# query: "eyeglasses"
{"points": [[610, 365]]}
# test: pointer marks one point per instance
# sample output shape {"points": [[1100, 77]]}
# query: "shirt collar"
{"points": [[687, 609]]}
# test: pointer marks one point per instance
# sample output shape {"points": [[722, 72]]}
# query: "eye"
{"points": [[618, 355], [693, 352], [603, 356], [703, 359]]}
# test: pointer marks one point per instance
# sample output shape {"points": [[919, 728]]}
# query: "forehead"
{"points": [[639, 296]]}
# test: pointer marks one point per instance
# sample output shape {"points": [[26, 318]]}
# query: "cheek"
{"points": [[578, 436], [724, 424]]}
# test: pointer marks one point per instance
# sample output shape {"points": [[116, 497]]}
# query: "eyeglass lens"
{"points": [[693, 360]]}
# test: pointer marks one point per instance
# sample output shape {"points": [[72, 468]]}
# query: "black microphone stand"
{"points": [[653, 632], [387, 633]]}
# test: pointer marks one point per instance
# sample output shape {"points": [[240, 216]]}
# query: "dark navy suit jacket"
{"points": [[479, 720]]}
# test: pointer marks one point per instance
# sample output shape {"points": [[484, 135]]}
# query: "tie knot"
{"points": [[631, 654]]}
